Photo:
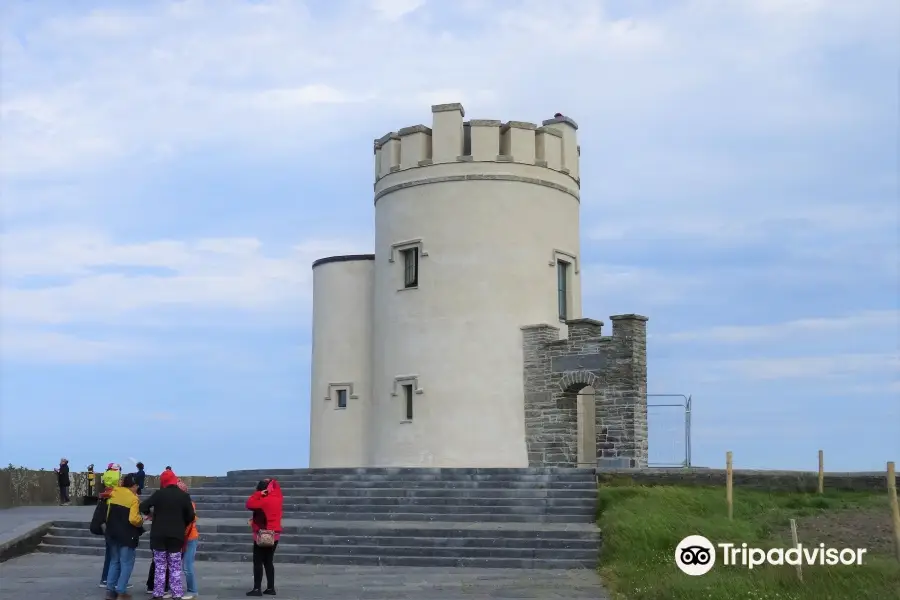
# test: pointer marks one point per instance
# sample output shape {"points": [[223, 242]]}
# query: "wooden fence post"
{"points": [[895, 509], [796, 539], [821, 472], [729, 485]]}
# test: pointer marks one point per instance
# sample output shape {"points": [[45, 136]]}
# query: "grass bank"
{"points": [[642, 526]]}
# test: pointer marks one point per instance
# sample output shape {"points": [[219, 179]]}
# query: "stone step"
{"points": [[398, 492], [397, 483], [491, 471], [437, 502], [392, 515], [418, 529], [212, 546], [242, 480], [416, 560], [83, 537], [466, 505]]}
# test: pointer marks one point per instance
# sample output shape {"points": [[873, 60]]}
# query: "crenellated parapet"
{"points": [[451, 140]]}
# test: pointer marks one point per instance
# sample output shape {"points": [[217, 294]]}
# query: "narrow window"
{"points": [[562, 288], [411, 268], [408, 397], [342, 398]]}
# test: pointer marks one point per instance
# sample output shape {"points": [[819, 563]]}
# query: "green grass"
{"points": [[641, 527]]}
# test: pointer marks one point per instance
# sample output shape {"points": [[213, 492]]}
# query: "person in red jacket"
{"points": [[267, 504]]}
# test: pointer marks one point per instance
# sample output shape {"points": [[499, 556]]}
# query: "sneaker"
{"points": [[102, 584], [269, 592], [188, 596], [255, 593]]}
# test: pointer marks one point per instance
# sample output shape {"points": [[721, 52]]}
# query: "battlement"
{"points": [[450, 139]]}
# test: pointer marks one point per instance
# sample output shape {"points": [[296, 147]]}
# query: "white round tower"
{"points": [[476, 236], [341, 379]]}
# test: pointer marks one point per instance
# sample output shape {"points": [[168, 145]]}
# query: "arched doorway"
{"points": [[586, 410]]}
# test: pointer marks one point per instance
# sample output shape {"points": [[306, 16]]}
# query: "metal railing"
{"points": [[686, 406]]}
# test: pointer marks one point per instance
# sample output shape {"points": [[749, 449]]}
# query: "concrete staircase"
{"points": [[504, 518]]}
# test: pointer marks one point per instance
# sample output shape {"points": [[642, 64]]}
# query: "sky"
{"points": [[169, 170]]}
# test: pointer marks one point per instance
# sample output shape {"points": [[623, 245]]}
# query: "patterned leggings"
{"points": [[172, 560]]}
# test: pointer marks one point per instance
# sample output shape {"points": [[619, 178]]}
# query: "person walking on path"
{"points": [[189, 554], [124, 527], [173, 511], [63, 480], [267, 504]]}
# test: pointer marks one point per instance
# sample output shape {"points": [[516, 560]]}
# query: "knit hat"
{"points": [[113, 467], [168, 478]]}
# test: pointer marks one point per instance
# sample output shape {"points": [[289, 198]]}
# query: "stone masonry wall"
{"points": [[770, 481], [27, 487], [556, 370]]}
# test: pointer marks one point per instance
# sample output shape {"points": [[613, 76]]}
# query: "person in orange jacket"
{"points": [[189, 553]]}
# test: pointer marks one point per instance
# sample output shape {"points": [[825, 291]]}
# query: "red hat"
{"points": [[168, 478]]}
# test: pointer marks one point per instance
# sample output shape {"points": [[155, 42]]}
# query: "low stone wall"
{"points": [[772, 481], [27, 487]]}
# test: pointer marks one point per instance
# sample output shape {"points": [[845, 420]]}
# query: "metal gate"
{"points": [[672, 416]]}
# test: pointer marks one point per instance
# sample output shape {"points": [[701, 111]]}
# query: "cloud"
{"points": [[94, 279], [809, 367], [737, 334], [632, 285], [392, 10], [240, 72], [37, 346]]}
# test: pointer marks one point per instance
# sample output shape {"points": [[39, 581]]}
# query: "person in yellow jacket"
{"points": [[124, 527]]}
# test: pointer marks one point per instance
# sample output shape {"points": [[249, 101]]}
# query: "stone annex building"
{"points": [[460, 342]]}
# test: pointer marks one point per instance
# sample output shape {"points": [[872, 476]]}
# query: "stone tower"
{"points": [[418, 348]]}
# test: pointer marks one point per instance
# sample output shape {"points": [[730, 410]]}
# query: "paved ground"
{"points": [[14, 519], [63, 577], [22, 522]]}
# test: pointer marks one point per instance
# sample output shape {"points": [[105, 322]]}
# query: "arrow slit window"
{"points": [[562, 288]]}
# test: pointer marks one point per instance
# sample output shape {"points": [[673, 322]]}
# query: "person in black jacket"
{"points": [[62, 479], [140, 477], [172, 513]]}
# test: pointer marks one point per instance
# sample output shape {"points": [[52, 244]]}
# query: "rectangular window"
{"points": [[562, 288], [342, 398], [411, 268], [408, 397]]}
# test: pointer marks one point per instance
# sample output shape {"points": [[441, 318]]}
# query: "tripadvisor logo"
{"points": [[696, 555]]}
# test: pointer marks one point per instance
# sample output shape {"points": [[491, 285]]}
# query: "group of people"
{"points": [[120, 517]]}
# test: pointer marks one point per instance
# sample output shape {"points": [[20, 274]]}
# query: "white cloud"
{"points": [[809, 367], [392, 10], [877, 320], [194, 72], [91, 92], [630, 285], [205, 274], [37, 346]]}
